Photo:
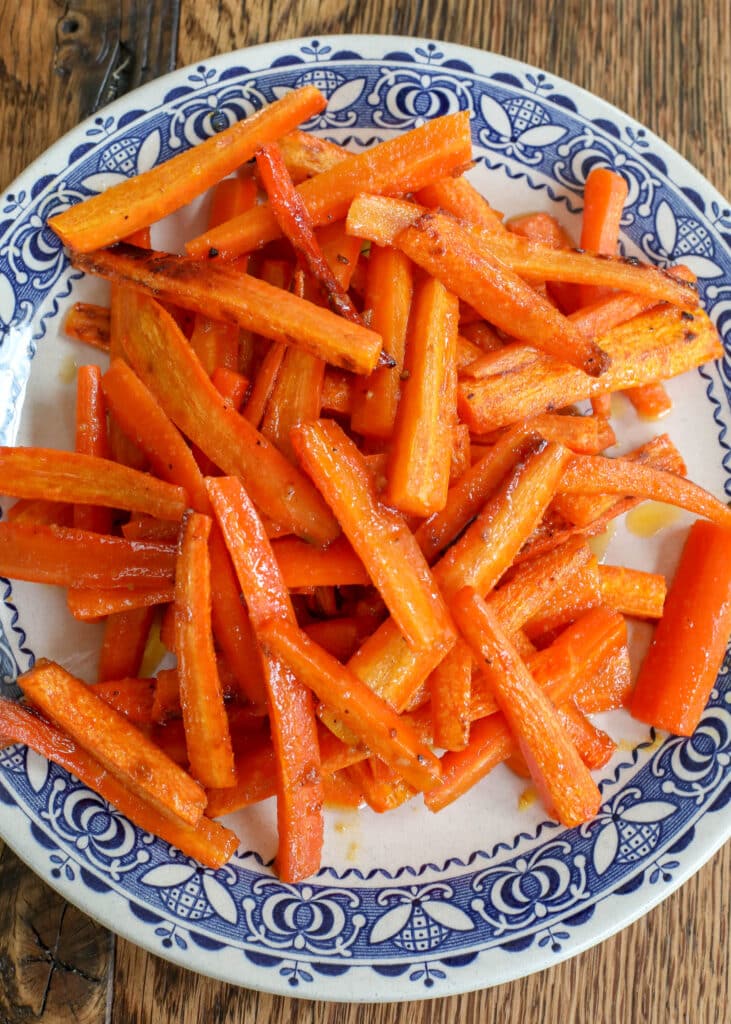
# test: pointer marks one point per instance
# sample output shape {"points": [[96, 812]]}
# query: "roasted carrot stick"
{"points": [[139, 201], [87, 479], [680, 668], [633, 592], [131, 697], [78, 558], [225, 292], [378, 727], [160, 531], [89, 604], [231, 385], [121, 447], [421, 448], [459, 196], [650, 400], [303, 565], [609, 687], [306, 155], [91, 439], [379, 785], [558, 772], [401, 164], [299, 788], [341, 636], [605, 193], [108, 736], [125, 637], [89, 323], [207, 841], [594, 746], [39, 512], [450, 688], [264, 384], [166, 364], [542, 227], [379, 536], [207, 735]]}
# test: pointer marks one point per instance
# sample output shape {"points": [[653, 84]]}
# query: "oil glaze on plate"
{"points": [[410, 904]]}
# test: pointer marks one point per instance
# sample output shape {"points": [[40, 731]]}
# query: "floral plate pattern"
{"points": [[515, 892]]}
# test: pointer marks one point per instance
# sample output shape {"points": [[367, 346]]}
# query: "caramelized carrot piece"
{"points": [[89, 604], [450, 689], [651, 401], [264, 384], [610, 686], [91, 439], [605, 193], [39, 512], [542, 227], [379, 785], [459, 197], [633, 592], [231, 385], [89, 323], [123, 646], [131, 697], [303, 565], [306, 155]]}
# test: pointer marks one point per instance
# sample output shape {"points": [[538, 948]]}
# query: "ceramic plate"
{"points": [[410, 904]]}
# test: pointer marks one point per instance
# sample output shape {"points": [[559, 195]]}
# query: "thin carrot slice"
{"points": [[87, 479], [379, 536], [567, 788], [78, 558], [299, 789], [421, 448], [605, 193], [680, 668], [123, 646], [400, 164], [89, 323], [225, 292], [108, 736], [206, 841], [375, 724], [166, 364], [91, 439], [207, 735], [139, 201], [89, 604]]}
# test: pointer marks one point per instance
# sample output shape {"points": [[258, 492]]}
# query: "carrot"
{"points": [[231, 385], [594, 746], [388, 295], [450, 688], [380, 786], [302, 565], [143, 420], [78, 558], [605, 193], [39, 512], [565, 785], [159, 531], [610, 686], [206, 841], [139, 201], [586, 435], [651, 401], [299, 788], [659, 344], [125, 637], [400, 164], [207, 735], [89, 604], [131, 697], [121, 447], [421, 449], [108, 736], [542, 227], [168, 367], [87, 479], [89, 323], [374, 723], [459, 197], [306, 155], [633, 592], [91, 439], [225, 292], [687, 650], [379, 536], [341, 636], [264, 384]]}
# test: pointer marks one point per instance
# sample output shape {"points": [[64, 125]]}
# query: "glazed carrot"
{"points": [[421, 448], [650, 400], [659, 344], [264, 384], [680, 668], [291, 715], [616, 308], [341, 636], [594, 746], [224, 292], [596, 474], [388, 295], [39, 512], [303, 565], [380, 786], [574, 595], [143, 420], [125, 637], [481, 334], [633, 592], [109, 737], [166, 702], [231, 626], [87, 479], [542, 227], [168, 367], [378, 535], [207, 735], [121, 447], [586, 435], [231, 385], [160, 531], [139, 201], [459, 197], [375, 724], [306, 155], [78, 558], [566, 787], [450, 688], [206, 841], [131, 697], [605, 193], [89, 604], [610, 685], [89, 323], [400, 164], [91, 439]]}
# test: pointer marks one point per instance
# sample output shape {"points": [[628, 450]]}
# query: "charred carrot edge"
{"points": [[139, 201], [87, 479], [558, 772], [168, 367], [207, 735], [375, 724], [450, 688], [421, 445], [123, 645], [299, 788], [131, 697], [379, 536], [78, 558], [109, 737], [605, 193], [225, 292], [403, 163], [89, 323], [306, 155], [680, 668], [91, 439], [89, 604], [206, 841]]}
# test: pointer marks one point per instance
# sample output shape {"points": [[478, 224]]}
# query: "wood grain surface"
{"points": [[667, 63]]}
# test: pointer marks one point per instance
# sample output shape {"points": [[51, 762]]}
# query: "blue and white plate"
{"points": [[410, 904]]}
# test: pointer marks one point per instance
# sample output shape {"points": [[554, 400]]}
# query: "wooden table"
{"points": [[666, 62]]}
